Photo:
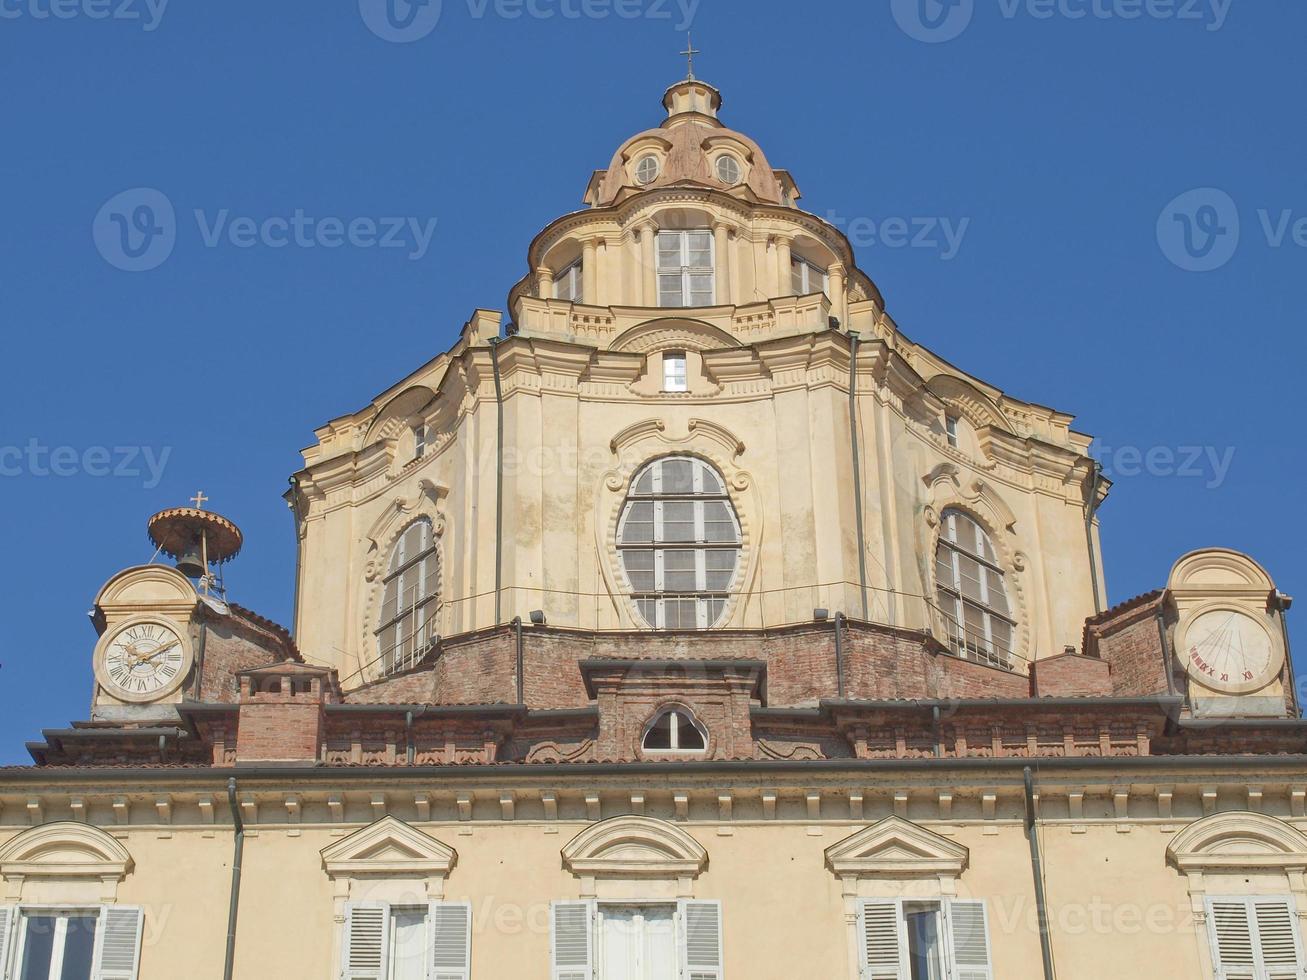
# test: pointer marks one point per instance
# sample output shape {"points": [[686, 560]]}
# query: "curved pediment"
{"points": [[1220, 570], [634, 847], [64, 850], [896, 848], [388, 848], [673, 332], [150, 586], [1238, 840]]}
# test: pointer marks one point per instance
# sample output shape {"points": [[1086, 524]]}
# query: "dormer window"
{"points": [[674, 731], [646, 171], [674, 375], [728, 170], [567, 284], [685, 269], [806, 278], [419, 441], [951, 430]]}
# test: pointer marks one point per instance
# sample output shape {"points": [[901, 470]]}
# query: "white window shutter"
{"points": [[968, 940], [572, 941], [363, 954], [8, 930], [701, 947], [118, 943], [1229, 926], [1277, 938], [882, 941], [449, 938]]}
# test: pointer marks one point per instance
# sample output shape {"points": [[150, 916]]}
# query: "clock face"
{"points": [[1229, 651], [143, 660]]}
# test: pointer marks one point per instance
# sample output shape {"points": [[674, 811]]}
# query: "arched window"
{"points": [[674, 731], [680, 543], [971, 591], [408, 602]]}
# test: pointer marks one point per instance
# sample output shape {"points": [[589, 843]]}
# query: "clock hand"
{"points": [[146, 658]]}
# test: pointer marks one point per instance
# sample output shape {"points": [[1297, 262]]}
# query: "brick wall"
{"points": [[1070, 676]]}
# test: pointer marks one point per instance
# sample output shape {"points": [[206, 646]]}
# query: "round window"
{"points": [[728, 170], [646, 171]]}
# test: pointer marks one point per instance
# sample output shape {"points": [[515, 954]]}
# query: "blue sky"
{"points": [[1041, 154]]}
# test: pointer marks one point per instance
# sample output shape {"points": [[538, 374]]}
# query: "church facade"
{"points": [[690, 622]]}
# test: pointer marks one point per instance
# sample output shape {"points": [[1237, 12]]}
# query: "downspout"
{"points": [[499, 475], [1037, 867], [1166, 654], [934, 726], [1282, 603], [839, 654], [521, 681], [409, 748], [1090, 511], [199, 660], [299, 549], [235, 878], [857, 468]]}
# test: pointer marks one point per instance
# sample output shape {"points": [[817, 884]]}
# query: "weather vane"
{"points": [[689, 52]]}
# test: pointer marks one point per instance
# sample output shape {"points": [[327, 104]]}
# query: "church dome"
{"points": [[693, 147]]}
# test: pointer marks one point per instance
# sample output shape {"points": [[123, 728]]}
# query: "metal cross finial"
{"points": [[199, 500], [689, 52]]}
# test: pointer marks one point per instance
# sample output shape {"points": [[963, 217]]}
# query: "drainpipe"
{"points": [[1282, 603], [409, 749], [1037, 867], [499, 475], [199, 660], [839, 654], [235, 878], [857, 468], [1090, 511], [521, 681], [1166, 654], [934, 726], [299, 549]]}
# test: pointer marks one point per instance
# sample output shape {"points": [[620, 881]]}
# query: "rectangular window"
{"points": [[648, 941], [930, 940], [57, 943], [1254, 938], [567, 284], [685, 269], [674, 376], [951, 430], [407, 942], [806, 278]]}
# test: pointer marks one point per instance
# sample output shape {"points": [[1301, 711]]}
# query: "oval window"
{"points": [[646, 171], [728, 170]]}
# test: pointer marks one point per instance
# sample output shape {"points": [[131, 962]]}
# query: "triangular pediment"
{"points": [[634, 847], [391, 848], [896, 848]]}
